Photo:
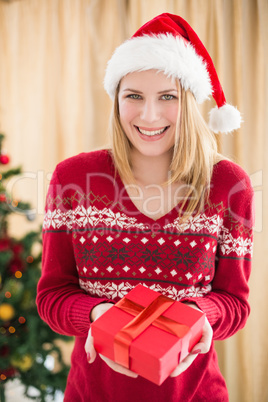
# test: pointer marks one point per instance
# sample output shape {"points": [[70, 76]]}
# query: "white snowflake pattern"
{"points": [[120, 290], [239, 245], [214, 225], [56, 219], [85, 216], [91, 216], [198, 223], [111, 290]]}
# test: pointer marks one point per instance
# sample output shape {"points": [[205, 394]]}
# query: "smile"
{"points": [[151, 133]]}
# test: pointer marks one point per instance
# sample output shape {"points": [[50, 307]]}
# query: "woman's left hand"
{"points": [[203, 346]]}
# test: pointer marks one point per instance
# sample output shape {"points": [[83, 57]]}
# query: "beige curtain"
{"points": [[52, 105]]}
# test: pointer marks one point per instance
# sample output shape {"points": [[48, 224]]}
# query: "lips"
{"points": [[151, 132]]}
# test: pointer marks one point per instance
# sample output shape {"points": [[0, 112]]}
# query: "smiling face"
{"points": [[148, 110]]}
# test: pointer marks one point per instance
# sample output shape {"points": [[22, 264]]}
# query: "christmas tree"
{"points": [[27, 344]]}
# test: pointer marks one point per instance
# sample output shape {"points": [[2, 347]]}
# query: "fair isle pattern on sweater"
{"points": [[112, 290], [115, 250], [92, 217]]}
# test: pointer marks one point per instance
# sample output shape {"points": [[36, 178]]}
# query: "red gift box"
{"points": [[148, 333]]}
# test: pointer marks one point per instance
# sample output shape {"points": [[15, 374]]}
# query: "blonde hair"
{"points": [[194, 154]]}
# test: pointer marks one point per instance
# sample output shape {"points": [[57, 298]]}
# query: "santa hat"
{"points": [[168, 43]]}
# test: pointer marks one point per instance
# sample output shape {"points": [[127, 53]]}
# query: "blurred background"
{"points": [[53, 55]]}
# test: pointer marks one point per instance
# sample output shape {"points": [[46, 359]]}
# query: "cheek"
{"points": [[126, 113], [172, 114]]}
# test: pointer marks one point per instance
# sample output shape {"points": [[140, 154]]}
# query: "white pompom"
{"points": [[224, 119]]}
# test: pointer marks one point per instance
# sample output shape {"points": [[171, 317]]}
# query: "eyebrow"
{"points": [[140, 92]]}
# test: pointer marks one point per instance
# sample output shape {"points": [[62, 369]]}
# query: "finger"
{"points": [[183, 365], [118, 368], [203, 346], [89, 348]]}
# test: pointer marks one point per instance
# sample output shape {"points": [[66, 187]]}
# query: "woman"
{"points": [[161, 208]]}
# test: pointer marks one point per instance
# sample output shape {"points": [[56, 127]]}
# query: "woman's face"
{"points": [[148, 110]]}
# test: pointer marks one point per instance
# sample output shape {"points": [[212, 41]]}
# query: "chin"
{"points": [[157, 152]]}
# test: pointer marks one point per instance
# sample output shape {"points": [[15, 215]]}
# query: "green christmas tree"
{"points": [[26, 342]]}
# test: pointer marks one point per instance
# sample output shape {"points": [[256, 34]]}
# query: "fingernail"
{"points": [[88, 357], [195, 352]]}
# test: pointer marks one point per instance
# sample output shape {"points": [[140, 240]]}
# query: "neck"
{"points": [[150, 169]]}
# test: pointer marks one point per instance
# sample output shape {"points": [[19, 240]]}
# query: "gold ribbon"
{"points": [[144, 317]]}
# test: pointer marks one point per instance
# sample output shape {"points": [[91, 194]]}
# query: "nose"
{"points": [[150, 111]]}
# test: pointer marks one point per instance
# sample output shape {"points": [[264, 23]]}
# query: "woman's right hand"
{"points": [[91, 353]]}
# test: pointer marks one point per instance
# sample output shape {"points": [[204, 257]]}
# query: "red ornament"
{"points": [[17, 248], [4, 244], [16, 265], [4, 159], [3, 197], [7, 373]]}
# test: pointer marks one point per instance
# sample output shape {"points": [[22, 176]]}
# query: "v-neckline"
{"points": [[128, 201]]}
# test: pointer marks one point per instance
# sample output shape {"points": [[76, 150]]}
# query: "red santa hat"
{"points": [[168, 43]]}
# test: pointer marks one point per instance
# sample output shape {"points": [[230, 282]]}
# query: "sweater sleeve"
{"points": [[226, 306], [60, 300]]}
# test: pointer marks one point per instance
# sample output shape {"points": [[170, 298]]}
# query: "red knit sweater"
{"points": [[98, 246]]}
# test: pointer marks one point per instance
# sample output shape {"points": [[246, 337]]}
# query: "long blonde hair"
{"points": [[194, 154]]}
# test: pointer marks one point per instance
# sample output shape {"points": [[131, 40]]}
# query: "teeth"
{"points": [[151, 133]]}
